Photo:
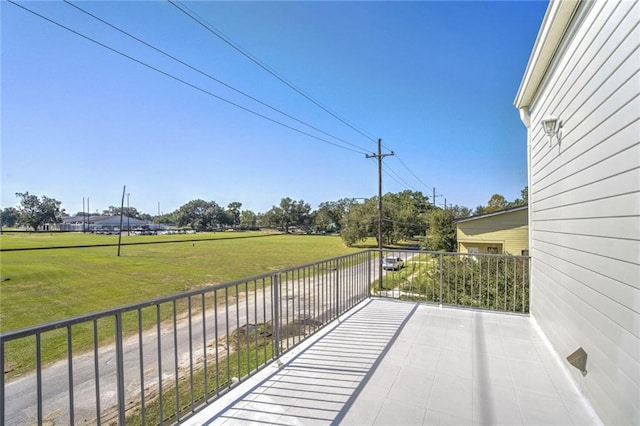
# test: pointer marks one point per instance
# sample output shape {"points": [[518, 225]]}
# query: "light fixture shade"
{"points": [[550, 125]]}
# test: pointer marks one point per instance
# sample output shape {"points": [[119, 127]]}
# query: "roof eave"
{"points": [[554, 25], [497, 213]]}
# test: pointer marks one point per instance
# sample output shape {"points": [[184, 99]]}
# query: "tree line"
{"points": [[406, 216]]}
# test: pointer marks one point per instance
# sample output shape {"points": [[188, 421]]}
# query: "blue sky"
{"points": [[435, 80]]}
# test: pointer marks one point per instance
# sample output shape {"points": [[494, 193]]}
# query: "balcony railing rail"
{"points": [[484, 281], [159, 361]]}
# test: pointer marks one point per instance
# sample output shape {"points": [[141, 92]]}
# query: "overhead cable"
{"points": [[406, 184], [430, 188], [209, 75], [184, 9], [191, 14], [183, 81], [413, 174]]}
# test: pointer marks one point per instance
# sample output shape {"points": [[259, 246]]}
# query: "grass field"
{"points": [[54, 284]]}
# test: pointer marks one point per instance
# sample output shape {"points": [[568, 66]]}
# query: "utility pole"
{"points": [[379, 156], [124, 189], [434, 199]]}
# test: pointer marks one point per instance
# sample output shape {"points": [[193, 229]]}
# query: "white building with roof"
{"points": [[584, 195]]}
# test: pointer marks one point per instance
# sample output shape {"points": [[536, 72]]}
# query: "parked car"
{"points": [[392, 263]]}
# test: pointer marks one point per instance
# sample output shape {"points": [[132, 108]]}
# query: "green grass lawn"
{"points": [[54, 284], [16, 240]]}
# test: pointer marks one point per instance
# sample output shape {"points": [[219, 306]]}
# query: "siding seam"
{"points": [[613, 113], [586, 218], [589, 235], [595, 309], [588, 183], [587, 201], [589, 253]]}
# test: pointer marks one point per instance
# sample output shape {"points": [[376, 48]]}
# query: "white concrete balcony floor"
{"points": [[388, 362]]}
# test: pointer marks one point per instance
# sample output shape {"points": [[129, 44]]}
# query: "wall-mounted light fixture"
{"points": [[552, 127]]}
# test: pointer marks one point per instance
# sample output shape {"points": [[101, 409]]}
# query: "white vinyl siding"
{"points": [[585, 205]]}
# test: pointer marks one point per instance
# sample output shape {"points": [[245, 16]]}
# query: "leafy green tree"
{"points": [[126, 211], [192, 214], [496, 203], [9, 217], [285, 213], [272, 218], [301, 215], [403, 217], [404, 214], [441, 235], [330, 215], [323, 219], [167, 218], [460, 212], [36, 212], [289, 213], [518, 202], [200, 215], [233, 211], [360, 222], [248, 220]]}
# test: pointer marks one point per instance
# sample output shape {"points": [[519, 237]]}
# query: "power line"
{"points": [[191, 14], [412, 173], [399, 178], [218, 34], [210, 76], [393, 178], [429, 187], [397, 222], [404, 182], [183, 81], [419, 180]]}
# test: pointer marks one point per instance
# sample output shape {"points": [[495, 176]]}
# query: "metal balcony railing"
{"points": [[484, 281], [159, 361]]}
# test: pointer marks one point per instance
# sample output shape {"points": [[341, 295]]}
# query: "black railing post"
{"points": [[70, 373], [2, 416], [369, 273], [337, 291], [380, 270], [120, 370], [38, 377], [440, 256], [276, 313]]}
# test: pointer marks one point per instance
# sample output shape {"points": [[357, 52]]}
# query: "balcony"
{"points": [[389, 362], [446, 340]]}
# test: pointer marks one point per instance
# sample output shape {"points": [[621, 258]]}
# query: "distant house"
{"points": [[501, 232], [106, 223], [584, 196], [77, 223]]}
